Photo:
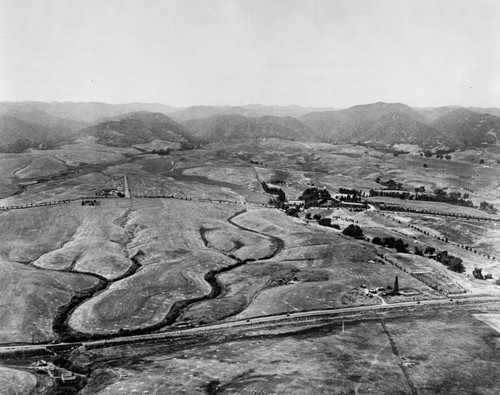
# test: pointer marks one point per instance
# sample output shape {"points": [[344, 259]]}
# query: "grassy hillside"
{"points": [[139, 128], [222, 127]]}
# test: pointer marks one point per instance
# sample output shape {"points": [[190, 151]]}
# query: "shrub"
{"points": [[353, 231]]}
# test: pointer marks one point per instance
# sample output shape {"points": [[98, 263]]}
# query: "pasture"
{"points": [[177, 243], [450, 352], [16, 382], [31, 298], [68, 237]]}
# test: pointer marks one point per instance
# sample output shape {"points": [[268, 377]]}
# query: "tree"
{"points": [[481, 161], [418, 251], [430, 250], [456, 265], [353, 231], [308, 215], [317, 217], [401, 246], [478, 273], [425, 165], [325, 221], [292, 212], [389, 242], [377, 240], [448, 157]]}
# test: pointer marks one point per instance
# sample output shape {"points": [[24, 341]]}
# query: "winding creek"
{"points": [[65, 333]]}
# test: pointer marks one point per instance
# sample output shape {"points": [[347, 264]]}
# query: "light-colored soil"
{"points": [[97, 246], [167, 238], [68, 237], [16, 382], [27, 234], [492, 320], [30, 298], [437, 354]]}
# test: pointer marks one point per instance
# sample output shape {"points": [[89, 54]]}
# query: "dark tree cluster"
{"points": [[452, 262], [292, 211], [489, 208], [91, 203], [280, 199], [353, 231], [347, 191], [390, 184], [390, 242], [352, 195], [314, 197], [478, 273], [323, 221], [439, 195], [162, 151]]}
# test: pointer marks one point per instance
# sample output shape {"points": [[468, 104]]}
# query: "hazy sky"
{"points": [[306, 52]]}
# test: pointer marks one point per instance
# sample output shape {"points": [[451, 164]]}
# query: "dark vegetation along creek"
{"points": [[65, 333]]}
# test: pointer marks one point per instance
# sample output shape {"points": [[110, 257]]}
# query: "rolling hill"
{"points": [[380, 122], [224, 127], [386, 123], [91, 112], [465, 128], [139, 128], [249, 111], [35, 129]]}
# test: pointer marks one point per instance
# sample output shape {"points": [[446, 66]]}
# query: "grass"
{"points": [[31, 298], [174, 259], [437, 353], [68, 237], [328, 270], [16, 381]]}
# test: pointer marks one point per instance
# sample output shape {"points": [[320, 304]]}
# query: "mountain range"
{"points": [[41, 125]]}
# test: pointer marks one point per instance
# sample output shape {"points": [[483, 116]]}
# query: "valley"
{"points": [[240, 250]]}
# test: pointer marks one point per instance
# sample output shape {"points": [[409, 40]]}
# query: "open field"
{"points": [[167, 241], [27, 234], [68, 237], [16, 382], [436, 353], [480, 235], [31, 298], [316, 269], [154, 263], [98, 245]]}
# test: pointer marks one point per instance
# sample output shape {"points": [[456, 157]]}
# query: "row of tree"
{"points": [[439, 195], [91, 203], [279, 200], [390, 242]]}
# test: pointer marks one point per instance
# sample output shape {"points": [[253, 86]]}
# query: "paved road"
{"points": [[282, 318]]}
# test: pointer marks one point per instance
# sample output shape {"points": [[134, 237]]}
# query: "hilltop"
{"points": [[139, 128], [392, 123], [222, 127]]}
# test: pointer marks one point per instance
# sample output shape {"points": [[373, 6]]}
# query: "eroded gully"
{"points": [[65, 333]]}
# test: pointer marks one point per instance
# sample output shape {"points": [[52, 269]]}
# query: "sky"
{"points": [[335, 53]]}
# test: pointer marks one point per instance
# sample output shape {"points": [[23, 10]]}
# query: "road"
{"points": [[282, 319]]}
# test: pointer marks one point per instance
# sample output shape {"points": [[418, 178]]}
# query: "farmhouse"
{"points": [[68, 376]]}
